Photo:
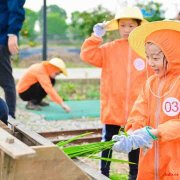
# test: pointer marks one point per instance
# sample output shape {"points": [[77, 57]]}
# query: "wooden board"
{"points": [[90, 171], [50, 163], [28, 136], [14, 147], [5, 127]]}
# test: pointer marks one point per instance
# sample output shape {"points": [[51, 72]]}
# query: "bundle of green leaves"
{"points": [[88, 150]]}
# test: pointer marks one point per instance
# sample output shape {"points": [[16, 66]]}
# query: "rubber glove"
{"points": [[140, 138], [99, 30]]}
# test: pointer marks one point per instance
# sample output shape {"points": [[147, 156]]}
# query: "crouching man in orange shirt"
{"points": [[38, 81], [154, 121]]}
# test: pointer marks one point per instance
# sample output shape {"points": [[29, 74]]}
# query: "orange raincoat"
{"points": [[40, 73], [158, 106], [122, 77]]}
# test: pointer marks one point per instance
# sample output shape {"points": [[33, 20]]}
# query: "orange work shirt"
{"points": [[38, 73]]}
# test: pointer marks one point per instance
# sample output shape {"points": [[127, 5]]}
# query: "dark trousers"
{"points": [[133, 156], [7, 80], [35, 93], [3, 111]]}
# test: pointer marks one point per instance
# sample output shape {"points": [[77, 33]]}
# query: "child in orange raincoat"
{"points": [[155, 118], [123, 74], [38, 81]]}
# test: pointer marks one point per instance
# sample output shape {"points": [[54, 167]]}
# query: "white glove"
{"points": [[138, 139], [99, 30]]}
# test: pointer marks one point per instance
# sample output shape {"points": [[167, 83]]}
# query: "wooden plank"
{"points": [[14, 147], [50, 163], [90, 171], [5, 127], [30, 135], [7, 167]]}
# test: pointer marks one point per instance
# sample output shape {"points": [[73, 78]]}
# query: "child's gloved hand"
{"points": [[140, 138], [123, 144], [146, 135], [99, 29]]}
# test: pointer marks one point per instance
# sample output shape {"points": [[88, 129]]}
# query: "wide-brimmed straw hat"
{"points": [[138, 36], [59, 63], [125, 13]]}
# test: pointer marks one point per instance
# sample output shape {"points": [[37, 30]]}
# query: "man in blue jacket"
{"points": [[12, 15], [3, 111]]}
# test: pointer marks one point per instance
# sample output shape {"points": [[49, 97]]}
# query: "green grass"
{"points": [[78, 90], [116, 176]]}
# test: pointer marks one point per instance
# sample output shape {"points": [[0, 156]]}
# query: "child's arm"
{"points": [[154, 132], [169, 130], [139, 114], [91, 51]]}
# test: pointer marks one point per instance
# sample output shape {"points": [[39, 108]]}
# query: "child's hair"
{"points": [[137, 20]]}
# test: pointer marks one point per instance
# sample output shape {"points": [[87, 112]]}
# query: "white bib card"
{"points": [[171, 106], [139, 64]]}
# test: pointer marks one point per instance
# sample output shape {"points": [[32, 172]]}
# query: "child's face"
{"points": [[156, 59], [126, 26]]}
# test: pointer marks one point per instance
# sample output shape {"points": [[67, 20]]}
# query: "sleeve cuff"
{"points": [[10, 35], [153, 136]]}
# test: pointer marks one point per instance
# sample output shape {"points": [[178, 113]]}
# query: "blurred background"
{"points": [[69, 22]]}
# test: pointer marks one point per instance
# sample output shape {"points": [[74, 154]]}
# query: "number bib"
{"points": [[171, 106], [139, 64]]}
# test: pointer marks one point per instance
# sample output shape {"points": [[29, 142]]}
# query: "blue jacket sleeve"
{"points": [[16, 16]]}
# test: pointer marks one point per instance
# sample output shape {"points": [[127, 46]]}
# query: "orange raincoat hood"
{"points": [[169, 46]]}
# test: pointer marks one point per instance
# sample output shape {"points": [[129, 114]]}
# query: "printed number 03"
{"points": [[171, 106]]}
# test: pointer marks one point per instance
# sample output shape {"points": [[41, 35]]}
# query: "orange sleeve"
{"points": [[169, 130], [91, 51], [45, 82], [138, 116]]}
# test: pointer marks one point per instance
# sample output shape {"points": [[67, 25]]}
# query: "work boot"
{"points": [[43, 103], [32, 106]]}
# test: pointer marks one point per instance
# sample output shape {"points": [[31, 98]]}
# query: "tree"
{"points": [[82, 22], [58, 10], [56, 24], [27, 30], [152, 11], [56, 20]]}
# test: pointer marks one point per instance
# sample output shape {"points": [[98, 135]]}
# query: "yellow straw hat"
{"points": [[138, 36], [125, 13], [59, 63]]}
